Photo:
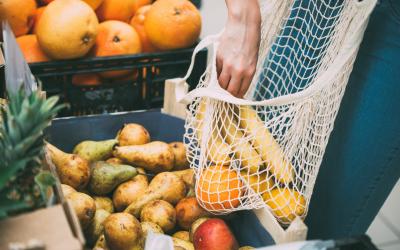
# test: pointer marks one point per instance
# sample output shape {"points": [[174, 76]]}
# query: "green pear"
{"points": [[95, 228], [95, 150], [107, 176]]}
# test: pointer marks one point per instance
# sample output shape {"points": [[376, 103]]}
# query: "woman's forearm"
{"points": [[245, 11], [238, 50]]}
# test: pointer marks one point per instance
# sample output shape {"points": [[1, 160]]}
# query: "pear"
{"points": [[155, 156], [128, 191], [133, 134], [114, 160], [66, 190], [107, 176], [122, 231], [101, 243], [179, 150], [95, 150], [84, 207], [148, 226], [104, 203], [72, 169], [95, 228]]}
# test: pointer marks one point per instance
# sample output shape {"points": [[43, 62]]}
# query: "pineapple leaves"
{"points": [[23, 121], [45, 180], [8, 172]]}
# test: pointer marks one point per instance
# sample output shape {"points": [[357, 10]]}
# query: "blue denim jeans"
{"points": [[362, 161]]}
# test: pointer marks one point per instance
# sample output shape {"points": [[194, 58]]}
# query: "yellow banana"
{"points": [[217, 150], [243, 151], [286, 204], [266, 145], [260, 183]]}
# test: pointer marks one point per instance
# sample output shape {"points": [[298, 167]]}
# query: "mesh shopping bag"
{"points": [[264, 151]]}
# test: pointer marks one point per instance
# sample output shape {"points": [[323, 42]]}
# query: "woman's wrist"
{"points": [[244, 11]]}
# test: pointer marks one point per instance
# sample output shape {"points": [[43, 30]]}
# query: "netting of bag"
{"points": [[265, 151]]}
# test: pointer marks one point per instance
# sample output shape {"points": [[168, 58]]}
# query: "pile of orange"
{"points": [[65, 29]]}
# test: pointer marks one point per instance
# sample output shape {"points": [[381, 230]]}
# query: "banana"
{"points": [[218, 151], [266, 145], [243, 151], [260, 183]]}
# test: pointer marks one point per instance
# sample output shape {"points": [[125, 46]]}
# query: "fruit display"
{"points": [[122, 197], [69, 29]]}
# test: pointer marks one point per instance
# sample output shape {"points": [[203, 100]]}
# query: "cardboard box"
{"points": [[53, 228]]}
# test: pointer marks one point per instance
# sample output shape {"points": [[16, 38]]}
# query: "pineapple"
{"points": [[22, 177]]}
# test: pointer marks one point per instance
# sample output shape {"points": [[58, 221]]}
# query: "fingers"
{"points": [[224, 77], [235, 83], [247, 78], [234, 77], [243, 88], [231, 79], [219, 65]]}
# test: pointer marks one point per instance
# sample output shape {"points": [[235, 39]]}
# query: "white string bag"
{"points": [[264, 151]]}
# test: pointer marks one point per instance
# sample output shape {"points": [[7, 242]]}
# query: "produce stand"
{"points": [[245, 225], [101, 111]]}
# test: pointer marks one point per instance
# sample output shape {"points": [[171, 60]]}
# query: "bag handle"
{"points": [[181, 94], [204, 43]]}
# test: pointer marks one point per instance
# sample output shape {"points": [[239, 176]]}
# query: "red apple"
{"points": [[214, 234]]}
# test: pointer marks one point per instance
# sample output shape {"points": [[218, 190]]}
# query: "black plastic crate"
{"points": [[145, 89]]}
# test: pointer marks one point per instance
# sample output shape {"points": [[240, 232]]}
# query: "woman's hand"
{"points": [[238, 50]]}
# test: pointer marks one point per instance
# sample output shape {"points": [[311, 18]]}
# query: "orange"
{"points": [[67, 29], [38, 14], [31, 49], [116, 38], [219, 188], [138, 23], [173, 24], [86, 80], [121, 10], [46, 1], [137, 4], [94, 3], [286, 204], [19, 13]]}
